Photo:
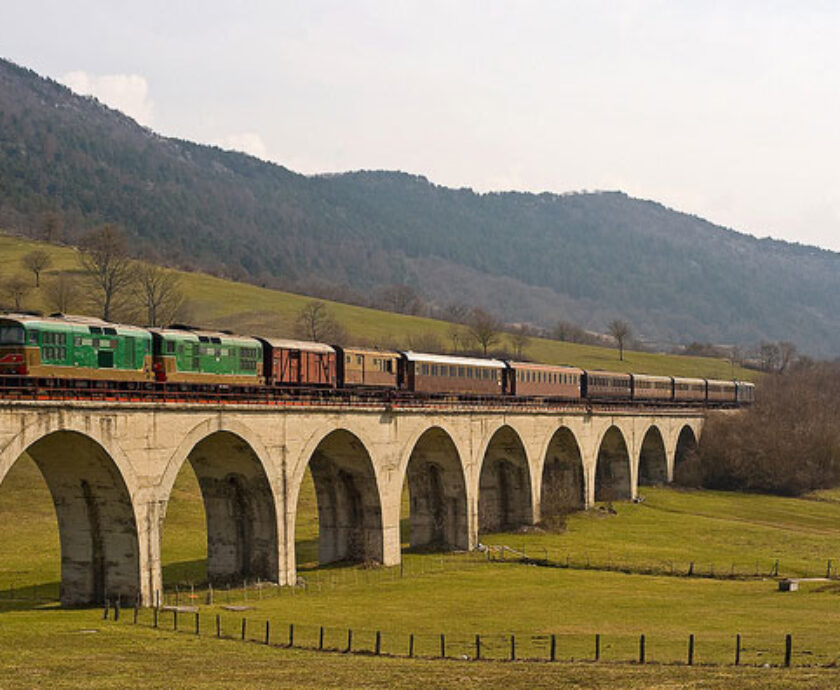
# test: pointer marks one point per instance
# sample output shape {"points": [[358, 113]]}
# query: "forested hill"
{"points": [[585, 258]]}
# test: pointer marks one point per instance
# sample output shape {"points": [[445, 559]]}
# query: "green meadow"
{"points": [[618, 584]]}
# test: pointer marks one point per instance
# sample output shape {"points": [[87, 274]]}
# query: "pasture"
{"points": [[618, 585]]}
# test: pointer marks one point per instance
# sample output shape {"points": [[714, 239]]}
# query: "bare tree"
{"points": [[484, 328], [105, 259], [769, 356], [16, 288], [787, 355], [315, 322], [620, 330], [37, 261], [520, 338], [159, 291], [51, 227], [62, 293], [402, 299]]}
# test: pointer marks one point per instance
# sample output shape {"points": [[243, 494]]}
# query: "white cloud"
{"points": [[246, 142], [128, 93]]}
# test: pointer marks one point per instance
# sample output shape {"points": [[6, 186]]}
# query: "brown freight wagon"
{"points": [[367, 368], [299, 363], [529, 379], [646, 387], [606, 385], [457, 375]]}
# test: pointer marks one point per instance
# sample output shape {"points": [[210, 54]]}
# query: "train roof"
{"points": [[69, 320], [372, 351], [307, 345], [539, 365], [603, 372], [446, 359], [652, 377], [189, 333], [689, 380]]}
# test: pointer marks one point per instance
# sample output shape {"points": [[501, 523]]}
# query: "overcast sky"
{"points": [[729, 110]]}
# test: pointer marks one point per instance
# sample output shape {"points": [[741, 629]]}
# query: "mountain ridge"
{"points": [[586, 257]]}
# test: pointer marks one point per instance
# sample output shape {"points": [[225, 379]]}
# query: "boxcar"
{"points": [[606, 385], [527, 379], [192, 356], [74, 347], [687, 389], [745, 392], [298, 363], [366, 368], [646, 387], [720, 391], [425, 373]]}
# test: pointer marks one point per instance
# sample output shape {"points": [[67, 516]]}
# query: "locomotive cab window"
{"points": [[11, 335]]}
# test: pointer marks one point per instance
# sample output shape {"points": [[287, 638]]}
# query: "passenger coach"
{"points": [[460, 375]]}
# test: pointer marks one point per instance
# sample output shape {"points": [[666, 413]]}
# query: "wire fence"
{"points": [[768, 649], [322, 580]]}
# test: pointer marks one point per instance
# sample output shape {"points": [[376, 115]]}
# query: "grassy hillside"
{"points": [[585, 257], [249, 309]]}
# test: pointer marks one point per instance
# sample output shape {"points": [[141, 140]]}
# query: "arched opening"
{"points": [[504, 489], [653, 461], [349, 523], [437, 494], [97, 531], [223, 484], [612, 475], [686, 443], [563, 486]]}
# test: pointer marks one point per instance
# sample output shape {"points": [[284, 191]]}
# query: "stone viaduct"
{"points": [[110, 468]]}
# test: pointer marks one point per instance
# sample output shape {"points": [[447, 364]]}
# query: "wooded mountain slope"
{"points": [[580, 257]]}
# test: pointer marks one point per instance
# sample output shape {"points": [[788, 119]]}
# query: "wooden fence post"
{"points": [[512, 647], [218, 625], [788, 649], [267, 633], [691, 650], [553, 655], [477, 647], [411, 645], [442, 646], [737, 649], [641, 649], [378, 645], [197, 624], [321, 638], [597, 647], [244, 626]]}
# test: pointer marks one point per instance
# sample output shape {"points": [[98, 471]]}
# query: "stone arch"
{"points": [[239, 503], [504, 485], [347, 491], [653, 459], [686, 442], [612, 473], [92, 494], [563, 479], [438, 512]]}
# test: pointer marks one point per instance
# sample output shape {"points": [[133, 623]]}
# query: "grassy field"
{"points": [[77, 649], [462, 595], [249, 309]]}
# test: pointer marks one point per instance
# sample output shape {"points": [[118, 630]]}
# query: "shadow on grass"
{"points": [[30, 596]]}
